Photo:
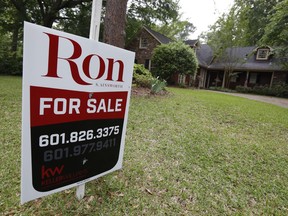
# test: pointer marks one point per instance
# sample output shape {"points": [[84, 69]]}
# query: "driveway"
{"points": [[282, 102]]}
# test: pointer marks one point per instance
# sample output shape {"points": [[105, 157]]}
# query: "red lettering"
{"points": [[86, 66], [53, 58], [45, 173], [111, 63]]}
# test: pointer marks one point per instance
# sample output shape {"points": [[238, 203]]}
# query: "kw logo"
{"points": [[49, 172]]}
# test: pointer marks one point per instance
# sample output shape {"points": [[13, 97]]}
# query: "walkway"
{"points": [[282, 102]]}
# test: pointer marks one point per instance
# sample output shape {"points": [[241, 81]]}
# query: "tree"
{"points": [[44, 12], [177, 29], [252, 18], [174, 57], [244, 25], [77, 19], [276, 32], [152, 13], [114, 22]]}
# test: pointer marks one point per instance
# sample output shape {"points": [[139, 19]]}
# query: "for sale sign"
{"points": [[75, 105]]}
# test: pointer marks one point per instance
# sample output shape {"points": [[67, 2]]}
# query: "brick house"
{"points": [[245, 66], [144, 43]]}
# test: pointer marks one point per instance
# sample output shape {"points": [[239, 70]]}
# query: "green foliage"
{"points": [[141, 76], [78, 19], [146, 13], [10, 62], [158, 85], [278, 90], [177, 29], [243, 25], [161, 15], [10, 65], [173, 57], [152, 11], [221, 89], [276, 32]]}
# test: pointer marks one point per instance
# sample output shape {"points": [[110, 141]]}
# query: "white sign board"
{"points": [[76, 94]]}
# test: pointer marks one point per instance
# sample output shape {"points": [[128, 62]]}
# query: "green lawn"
{"points": [[190, 153]]}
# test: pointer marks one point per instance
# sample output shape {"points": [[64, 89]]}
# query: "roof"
{"points": [[158, 36], [191, 42], [243, 58], [204, 55]]}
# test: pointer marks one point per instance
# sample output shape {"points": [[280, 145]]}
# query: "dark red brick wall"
{"points": [[280, 77], [143, 53]]}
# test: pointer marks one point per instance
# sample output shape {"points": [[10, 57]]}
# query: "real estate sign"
{"points": [[76, 93]]}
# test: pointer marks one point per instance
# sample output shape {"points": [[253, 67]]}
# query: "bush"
{"points": [[173, 57], [243, 89], [158, 85], [141, 76], [10, 65], [278, 90], [221, 89]]}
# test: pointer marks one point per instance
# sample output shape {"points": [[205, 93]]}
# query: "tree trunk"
{"points": [[15, 35], [115, 22]]}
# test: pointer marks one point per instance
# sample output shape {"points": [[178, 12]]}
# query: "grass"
{"points": [[190, 153]]}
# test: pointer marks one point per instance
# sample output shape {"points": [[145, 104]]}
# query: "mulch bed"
{"points": [[139, 91]]}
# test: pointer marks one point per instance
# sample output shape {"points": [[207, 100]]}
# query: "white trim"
{"points": [[266, 50], [141, 43]]}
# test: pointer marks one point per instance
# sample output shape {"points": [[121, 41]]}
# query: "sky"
{"points": [[203, 13]]}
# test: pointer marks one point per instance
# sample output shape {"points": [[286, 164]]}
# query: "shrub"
{"points": [[11, 65], [278, 90], [221, 89], [141, 76], [173, 57], [243, 89], [157, 85]]}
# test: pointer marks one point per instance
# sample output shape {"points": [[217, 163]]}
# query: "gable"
{"points": [[162, 39]]}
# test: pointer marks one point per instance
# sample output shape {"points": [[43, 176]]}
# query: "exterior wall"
{"points": [[240, 80], [215, 79], [260, 79], [143, 54], [280, 77], [181, 79]]}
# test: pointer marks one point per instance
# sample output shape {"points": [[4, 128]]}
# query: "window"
{"points": [[181, 79], [143, 42], [253, 78], [262, 54], [147, 64]]}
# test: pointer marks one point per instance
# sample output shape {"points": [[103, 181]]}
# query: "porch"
{"points": [[239, 78]]}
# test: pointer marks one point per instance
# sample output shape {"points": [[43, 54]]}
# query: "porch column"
{"points": [[223, 81], [208, 83], [272, 78], [246, 81]]}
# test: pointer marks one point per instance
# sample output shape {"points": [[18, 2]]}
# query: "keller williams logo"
{"points": [[104, 70], [49, 172]]}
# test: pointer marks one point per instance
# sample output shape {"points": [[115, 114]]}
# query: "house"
{"points": [[244, 66], [144, 43]]}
